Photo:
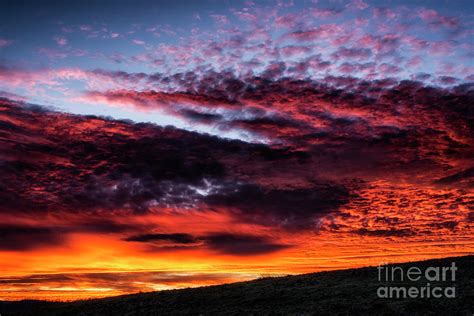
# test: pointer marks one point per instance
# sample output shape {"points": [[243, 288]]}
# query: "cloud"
{"points": [[25, 233], [322, 32], [22, 237], [157, 168], [12, 96], [358, 4], [4, 42], [221, 242], [464, 175], [111, 282], [352, 53], [138, 42], [435, 19], [385, 233], [61, 41], [254, 104], [179, 238], [242, 244], [291, 208], [85, 27]]}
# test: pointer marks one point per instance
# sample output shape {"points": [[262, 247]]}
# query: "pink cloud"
{"points": [[352, 53], [85, 27], [52, 53], [56, 79], [358, 4], [138, 42], [287, 20], [436, 19], [61, 53], [321, 32], [13, 96], [294, 50], [389, 69], [4, 42], [61, 41], [246, 16], [441, 48], [66, 29], [415, 61], [324, 13], [222, 19], [385, 13], [427, 14]]}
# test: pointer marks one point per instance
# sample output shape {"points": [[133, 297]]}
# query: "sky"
{"points": [[150, 145]]}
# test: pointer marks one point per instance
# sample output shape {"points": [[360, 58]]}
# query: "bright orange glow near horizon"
{"points": [[90, 266], [155, 145]]}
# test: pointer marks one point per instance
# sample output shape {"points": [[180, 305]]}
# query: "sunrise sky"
{"points": [[148, 145]]}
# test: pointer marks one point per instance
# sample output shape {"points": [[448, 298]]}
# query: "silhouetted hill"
{"points": [[345, 292]]}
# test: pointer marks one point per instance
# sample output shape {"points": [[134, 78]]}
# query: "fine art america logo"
{"points": [[416, 281]]}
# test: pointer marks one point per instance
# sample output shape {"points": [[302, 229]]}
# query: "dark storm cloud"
{"points": [[178, 238], [201, 117], [464, 175], [405, 232], [93, 165], [290, 208], [103, 226], [23, 237], [242, 244], [226, 243]]}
